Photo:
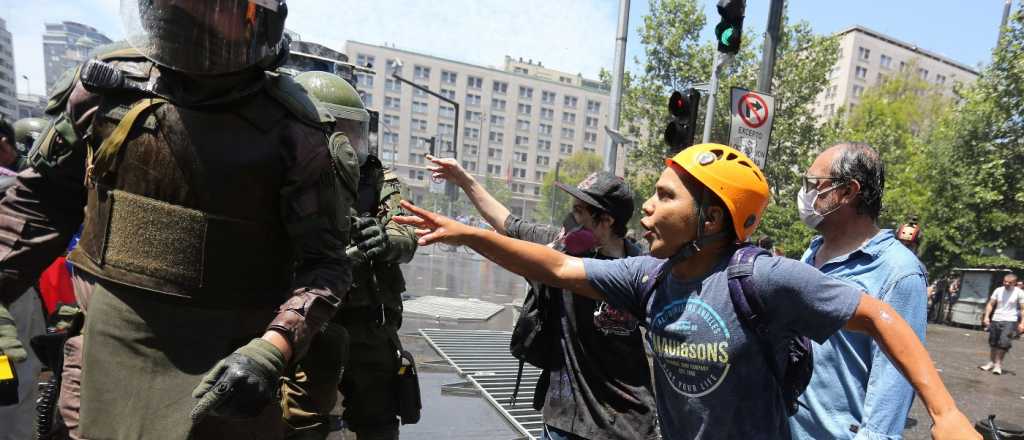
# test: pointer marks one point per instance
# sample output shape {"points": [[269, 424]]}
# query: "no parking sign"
{"points": [[751, 127]]}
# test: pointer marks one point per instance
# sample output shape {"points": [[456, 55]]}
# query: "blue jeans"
{"points": [[551, 433]]}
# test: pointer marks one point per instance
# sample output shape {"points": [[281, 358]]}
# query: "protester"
{"points": [[856, 391], [1002, 316], [601, 385], [713, 381]]}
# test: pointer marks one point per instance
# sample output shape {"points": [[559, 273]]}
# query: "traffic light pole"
{"points": [[771, 40], [709, 118], [611, 150]]}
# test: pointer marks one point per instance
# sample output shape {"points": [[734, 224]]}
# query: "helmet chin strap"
{"points": [[692, 247]]}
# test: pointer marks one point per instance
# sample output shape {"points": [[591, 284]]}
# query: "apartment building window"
{"points": [[390, 138], [830, 109], [903, 66], [391, 121], [589, 149], [364, 80], [392, 85], [471, 133], [494, 153], [496, 137], [417, 143], [940, 79], [519, 173], [417, 93], [494, 170], [469, 166], [547, 97], [471, 149], [525, 109], [522, 125], [546, 113], [590, 137], [525, 92], [593, 106], [568, 118], [474, 82], [543, 161], [498, 105], [365, 60], [922, 73], [416, 175], [419, 124], [448, 93], [446, 112], [520, 157], [520, 70], [416, 159], [565, 149], [863, 54], [536, 189], [592, 122], [571, 101], [392, 103], [498, 120], [420, 107], [886, 61], [522, 141], [446, 129], [538, 176], [500, 88], [861, 72], [568, 133], [472, 100], [881, 79], [857, 91], [421, 72], [448, 77], [545, 129], [392, 66], [543, 145], [565, 79], [367, 98], [472, 116]]}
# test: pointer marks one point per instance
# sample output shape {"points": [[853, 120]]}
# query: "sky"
{"points": [[576, 36]]}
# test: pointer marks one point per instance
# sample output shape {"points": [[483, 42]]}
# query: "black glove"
{"points": [[241, 385], [370, 237]]}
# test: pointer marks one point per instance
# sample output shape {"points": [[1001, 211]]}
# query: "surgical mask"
{"points": [[805, 204]]}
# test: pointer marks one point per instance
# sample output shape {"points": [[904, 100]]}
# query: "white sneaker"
{"points": [[986, 367], [997, 371]]}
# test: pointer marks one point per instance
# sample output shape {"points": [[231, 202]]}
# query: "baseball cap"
{"points": [[604, 191]]}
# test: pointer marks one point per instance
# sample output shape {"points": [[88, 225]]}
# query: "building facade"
{"points": [[8, 85], [514, 124], [31, 106], [867, 58], [66, 45]]}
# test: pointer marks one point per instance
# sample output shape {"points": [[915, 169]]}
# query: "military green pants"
{"points": [[368, 381], [142, 357]]}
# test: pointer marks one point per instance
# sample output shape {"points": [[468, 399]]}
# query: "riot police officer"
{"points": [[362, 341], [215, 218]]}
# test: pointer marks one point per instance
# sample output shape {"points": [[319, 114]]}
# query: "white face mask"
{"points": [[805, 204]]}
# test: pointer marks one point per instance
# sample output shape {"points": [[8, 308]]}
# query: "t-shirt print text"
{"points": [[691, 342]]}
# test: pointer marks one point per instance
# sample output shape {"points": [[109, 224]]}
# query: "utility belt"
{"points": [[204, 258], [379, 315]]}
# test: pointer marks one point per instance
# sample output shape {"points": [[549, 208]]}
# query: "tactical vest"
{"points": [[189, 204]]}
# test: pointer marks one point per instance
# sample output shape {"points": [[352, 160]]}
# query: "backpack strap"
{"points": [[747, 302]]}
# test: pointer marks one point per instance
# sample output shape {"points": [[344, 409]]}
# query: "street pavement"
{"points": [[956, 351]]}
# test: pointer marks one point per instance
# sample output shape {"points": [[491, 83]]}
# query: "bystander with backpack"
{"points": [[719, 373], [856, 391]]}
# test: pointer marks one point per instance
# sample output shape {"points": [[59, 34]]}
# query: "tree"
{"points": [[555, 203], [675, 59]]}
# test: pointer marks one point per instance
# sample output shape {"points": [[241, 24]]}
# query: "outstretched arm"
{"points": [[900, 343], [490, 208], [533, 261]]}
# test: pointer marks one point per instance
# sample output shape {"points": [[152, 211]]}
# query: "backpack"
{"points": [[799, 363], [535, 337]]}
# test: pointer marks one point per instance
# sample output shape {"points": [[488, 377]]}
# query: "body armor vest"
{"points": [[191, 203]]}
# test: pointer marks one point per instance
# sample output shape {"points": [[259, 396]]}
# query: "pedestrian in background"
{"points": [[856, 391], [1002, 316]]}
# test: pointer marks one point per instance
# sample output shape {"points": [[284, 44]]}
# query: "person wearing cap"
{"points": [[857, 392], [712, 379], [602, 390]]}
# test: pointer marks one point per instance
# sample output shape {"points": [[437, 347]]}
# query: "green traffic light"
{"points": [[727, 35]]}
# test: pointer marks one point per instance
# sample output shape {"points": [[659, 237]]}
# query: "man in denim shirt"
{"points": [[856, 392]]}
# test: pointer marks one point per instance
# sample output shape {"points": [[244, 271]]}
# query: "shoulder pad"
{"points": [[118, 50], [289, 93], [58, 94], [390, 176]]}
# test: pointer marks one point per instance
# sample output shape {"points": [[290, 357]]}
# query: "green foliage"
{"points": [[573, 169]]}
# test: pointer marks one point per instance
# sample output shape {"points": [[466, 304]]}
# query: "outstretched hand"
{"points": [[432, 227], [448, 169]]}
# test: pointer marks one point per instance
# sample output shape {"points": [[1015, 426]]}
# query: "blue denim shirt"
{"points": [[855, 386]]}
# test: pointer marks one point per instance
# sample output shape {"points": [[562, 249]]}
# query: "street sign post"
{"points": [[751, 127]]}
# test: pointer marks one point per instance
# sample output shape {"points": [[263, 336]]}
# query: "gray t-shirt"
{"points": [[711, 376]]}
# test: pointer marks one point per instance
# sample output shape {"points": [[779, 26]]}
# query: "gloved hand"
{"points": [[370, 236], [242, 384], [9, 343]]}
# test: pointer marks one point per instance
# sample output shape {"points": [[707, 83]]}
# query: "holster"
{"points": [[49, 348], [409, 403]]}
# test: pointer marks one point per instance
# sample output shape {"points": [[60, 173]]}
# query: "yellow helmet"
{"points": [[733, 177]]}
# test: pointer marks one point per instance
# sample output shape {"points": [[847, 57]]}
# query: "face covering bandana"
{"points": [[577, 241], [805, 204]]}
